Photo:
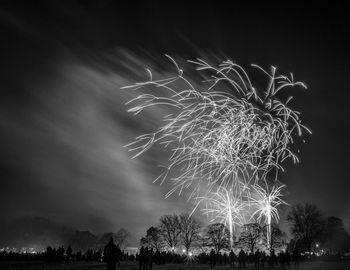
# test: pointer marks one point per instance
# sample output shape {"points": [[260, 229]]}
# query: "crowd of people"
{"points": [[147, 257], [61, 254], [112, 255], [259, 258]]}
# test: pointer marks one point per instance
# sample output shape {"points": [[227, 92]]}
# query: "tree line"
{"points": [[186, 232], [310, 230]]}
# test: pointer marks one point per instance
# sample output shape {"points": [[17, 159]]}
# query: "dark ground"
{"points": [[318, 265]]}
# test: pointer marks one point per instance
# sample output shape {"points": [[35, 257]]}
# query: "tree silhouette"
{"points": [[278, 237], [217, 236], [190, 228], [306, 224], [170, 230], [153, 238], [250, 236], [335, 237]]}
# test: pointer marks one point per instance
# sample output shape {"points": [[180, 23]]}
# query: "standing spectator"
{"points": [[145, 259], [212, 259], [296, 257], [272, 259], [257, 259], [68, 254], [241, 259], [157, 257], [287, 258], [150, 258], [120, 255], [141, 257], [262, 259], [281, 258], [232, 259], [50, 255], [111, 255], [219, 258], [60, 254]]}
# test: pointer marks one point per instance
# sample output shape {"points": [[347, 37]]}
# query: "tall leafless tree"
{"points": [[250, 236], [190, 229], [170, 230], [217, 236], [306, 224], [278, 237]]}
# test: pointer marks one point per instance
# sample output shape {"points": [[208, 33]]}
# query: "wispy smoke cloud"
{"points": [[71, 140]]}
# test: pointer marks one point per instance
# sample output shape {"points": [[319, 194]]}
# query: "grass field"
{"points": [[318, 265]]}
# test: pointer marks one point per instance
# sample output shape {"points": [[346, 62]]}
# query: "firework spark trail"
{"points": [[226, 206], [227, 136], [266, 201]]}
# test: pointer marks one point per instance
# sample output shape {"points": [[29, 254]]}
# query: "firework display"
{"points": [[225, 206], [265, 201], [228, 138]]}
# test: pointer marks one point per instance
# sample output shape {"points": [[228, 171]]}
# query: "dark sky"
{"points": [[63, 120]]}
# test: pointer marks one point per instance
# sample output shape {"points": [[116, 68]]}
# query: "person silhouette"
{"points": [[242, 256], [150, 258], [232, 258], [111, 254], [212, 257], [145, 259], [257, 259], [68, 253], [141, 257], [296, 257], [60, 254], [287, 258]]}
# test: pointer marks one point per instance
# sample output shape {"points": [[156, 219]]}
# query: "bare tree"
{"points": [[250, 236], [153, 238], [218, 236], [335, 237], [278, 237], [121, 238], [170, 230], [306, 224], [190, 228]]}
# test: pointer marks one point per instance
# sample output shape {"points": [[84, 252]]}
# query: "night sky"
{"points": [[63, 121]]}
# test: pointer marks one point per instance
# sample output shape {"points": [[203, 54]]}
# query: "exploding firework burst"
{"points": [[226, 137], [217, 136]]}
